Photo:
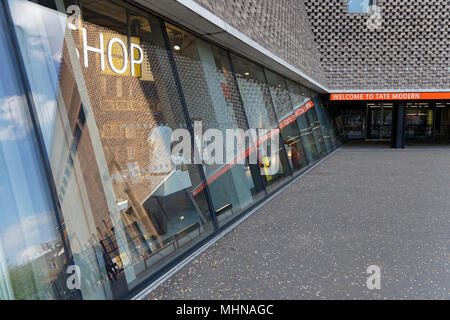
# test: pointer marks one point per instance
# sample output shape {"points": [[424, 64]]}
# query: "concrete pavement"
{"points": [[365, 205]]}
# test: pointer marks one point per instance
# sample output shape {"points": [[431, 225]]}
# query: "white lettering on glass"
{"points": [[74, 23], [74, 14], [133, 61], [110, 55], [87, 48]]}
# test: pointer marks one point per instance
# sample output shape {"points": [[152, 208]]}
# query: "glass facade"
{"points": [[289, 129], [212, 97], [32, 250], [442, 121], [424, 121], [91, 186], [419, 121], [379, 121], [258, 106], [302, 105]]}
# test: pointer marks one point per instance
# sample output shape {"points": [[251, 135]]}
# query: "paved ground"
{"points": [[365, 205]]}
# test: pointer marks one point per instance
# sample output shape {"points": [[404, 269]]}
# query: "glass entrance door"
{"points": [[442, 121], [419, 121], [379, 121]]}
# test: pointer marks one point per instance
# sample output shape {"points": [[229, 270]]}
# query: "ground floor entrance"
{"points": [[379, 121], [419, 121], [442, 121]]}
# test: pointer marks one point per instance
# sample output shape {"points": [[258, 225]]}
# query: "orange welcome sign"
{"points": [[390, 96]]}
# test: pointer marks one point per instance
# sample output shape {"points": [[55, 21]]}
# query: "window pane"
{"points": [[107, 120], [260, 114], [316, 130], [32, 255], [302, 105], [287, 121], [325, 124], [213, 100]]}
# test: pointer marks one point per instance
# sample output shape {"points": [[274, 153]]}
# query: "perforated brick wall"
{"points": [[410, 50], [280, 26]]}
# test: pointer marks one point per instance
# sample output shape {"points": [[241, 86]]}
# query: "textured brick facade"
{"points": [[280, 26], [410, 50]]}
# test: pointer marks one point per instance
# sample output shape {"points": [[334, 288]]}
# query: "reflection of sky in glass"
{"points": [[358, 6], [25, 221], [41, 34]]}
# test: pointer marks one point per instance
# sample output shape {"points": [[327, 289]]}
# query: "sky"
{"points": [[357, 5], [26, 215]]}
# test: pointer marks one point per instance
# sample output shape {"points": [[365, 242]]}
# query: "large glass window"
{"points": [[314, 123], [32, 252], [419, 121], [107, 103], [213, 100], [287, 121], [442, 121], [324, 123], [260, 114], [302, 104], [109, 86]]}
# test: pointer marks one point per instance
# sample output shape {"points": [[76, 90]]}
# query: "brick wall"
{"points": [[409, 51], [281, 26]]}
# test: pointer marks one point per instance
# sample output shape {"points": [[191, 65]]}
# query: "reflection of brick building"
{"points": [[126, 109], [82, 149], [119, 104]]}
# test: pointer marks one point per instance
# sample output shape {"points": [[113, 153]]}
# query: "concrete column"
{"points": [[399, 125]]}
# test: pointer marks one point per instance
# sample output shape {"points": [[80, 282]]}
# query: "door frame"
{"points": [[382, 107]]}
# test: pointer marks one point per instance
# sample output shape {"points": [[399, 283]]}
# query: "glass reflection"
{"points": [[213, 99], [260, 114], [419, 121], [314, 123], [32, 254], [302, 107], [286, 117], [107, 103], [107, 124], [329, 136]]}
